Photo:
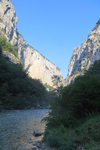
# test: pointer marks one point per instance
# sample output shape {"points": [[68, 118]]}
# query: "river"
{"points": [[17, 126]]}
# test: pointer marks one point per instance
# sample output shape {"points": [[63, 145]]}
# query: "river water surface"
{"points": [[16, 128]]}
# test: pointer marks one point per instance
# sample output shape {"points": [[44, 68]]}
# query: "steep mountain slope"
{"points": [[85, 55], [37, 65]]}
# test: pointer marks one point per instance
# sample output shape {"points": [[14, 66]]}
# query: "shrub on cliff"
{"points": [[6, 46], [0, 50], [3, 41], [94, 68]]}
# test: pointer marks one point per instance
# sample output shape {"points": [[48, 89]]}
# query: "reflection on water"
{"points": [[16, 128]]}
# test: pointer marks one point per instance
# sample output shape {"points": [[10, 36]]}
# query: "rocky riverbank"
{"points": [[17, 128], [42, 145], [37, 145]]}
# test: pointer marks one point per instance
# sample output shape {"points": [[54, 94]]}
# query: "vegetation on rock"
{"points": [[6, 46]]}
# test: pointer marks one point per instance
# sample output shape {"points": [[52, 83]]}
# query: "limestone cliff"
{"points": [[8, 21], [10, 57], [85, 55], [36, 64]]}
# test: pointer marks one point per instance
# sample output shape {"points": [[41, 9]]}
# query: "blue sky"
{"points": [[56, 27]]}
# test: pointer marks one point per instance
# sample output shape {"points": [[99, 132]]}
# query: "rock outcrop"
{"points": [[36, 64], [10, 57], [85, 55], [8, 21]]}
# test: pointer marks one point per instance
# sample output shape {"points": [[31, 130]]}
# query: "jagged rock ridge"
{"points": [[85, 55], [36, 64]]}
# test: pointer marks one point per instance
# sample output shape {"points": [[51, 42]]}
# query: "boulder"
{"points": [[37, 133]]}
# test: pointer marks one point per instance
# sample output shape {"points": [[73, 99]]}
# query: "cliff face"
{"points": [[10, 57], [8, 21], [37, 65], [85, 55]]}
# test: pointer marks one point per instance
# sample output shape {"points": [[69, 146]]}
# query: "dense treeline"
{"points": [[76, 103], [17, 89]]}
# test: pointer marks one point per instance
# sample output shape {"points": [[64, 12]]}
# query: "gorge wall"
{"points": [[36, 64], [85, 55]]}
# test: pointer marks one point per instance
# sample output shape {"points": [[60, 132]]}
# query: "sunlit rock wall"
{"points": [[8, 21], [36, 64], [85, 55]]}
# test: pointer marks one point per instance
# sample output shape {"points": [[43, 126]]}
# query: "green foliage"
{"points": [[82, 97], [54, 137], [76, 107], [77, 72], [94, 68], [0, 50], [17, 89], [48, 87], [51, 94], [6, 46], [85, 136], [3, 41], [77, 100]]}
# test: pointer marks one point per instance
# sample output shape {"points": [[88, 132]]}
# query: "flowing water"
{"points": [[17, 126]]}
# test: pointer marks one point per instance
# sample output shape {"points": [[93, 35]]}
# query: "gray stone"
{"points": [[11, 57], [34, 148], [37, 133], [30, 141], [85, 55]]}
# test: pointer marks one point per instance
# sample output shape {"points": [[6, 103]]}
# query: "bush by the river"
{"points": [[77, 102], [86, 135]]}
